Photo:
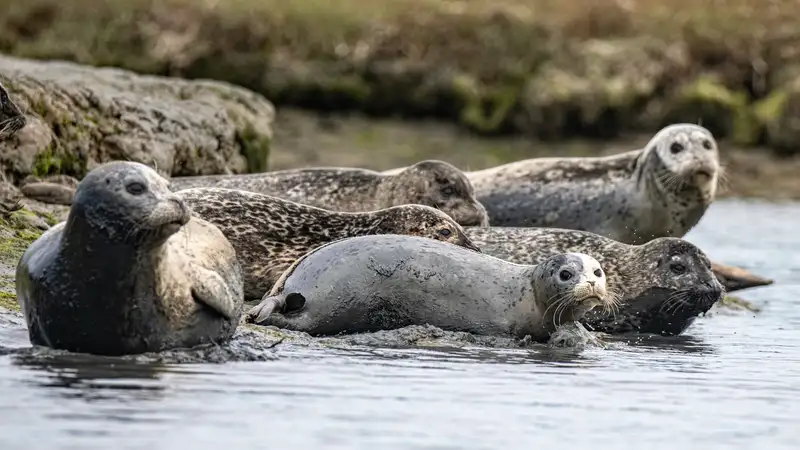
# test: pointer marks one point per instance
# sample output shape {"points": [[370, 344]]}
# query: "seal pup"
{"points": [[665, 283], [11, 117], [129, 271], [384, 282], [432, 183], [270, 233]]}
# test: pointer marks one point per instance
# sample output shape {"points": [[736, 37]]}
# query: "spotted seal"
{"points": [[432, 183], [270, 233], [129, 271], [665, 283], [383, 282], [11, 117]]}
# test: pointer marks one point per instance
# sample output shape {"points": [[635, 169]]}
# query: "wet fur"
{"points": [[654, 300], [359, 190], [631, 197], [270, 233]]}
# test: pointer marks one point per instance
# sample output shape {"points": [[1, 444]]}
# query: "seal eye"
{"points": [[676, 147], [677, 268], [448, 191], [135, 188], [444, 232], [706, 144], [598, 273], [565, 275]]}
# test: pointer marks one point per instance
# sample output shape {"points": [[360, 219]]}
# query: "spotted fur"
{"points": [[633, 197], [270, 233], [432, 183], [11, 117], [654, 299]]}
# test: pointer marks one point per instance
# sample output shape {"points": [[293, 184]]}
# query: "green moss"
{"points": [[255, 147], [769, 109], [739, 303], [485, 110], [8, 301]]}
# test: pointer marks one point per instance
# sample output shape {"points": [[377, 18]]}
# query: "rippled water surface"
{"points": [[733, 381]]}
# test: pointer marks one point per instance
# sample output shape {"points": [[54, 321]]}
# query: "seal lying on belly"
{"points": [[432, 183], [129, 271], [662, 190], [665, 283], [385, 282], [270, 233]]}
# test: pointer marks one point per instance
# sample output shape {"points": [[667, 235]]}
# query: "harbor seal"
{"points": [[383, 282], [270, 233], [432, 183], [129, 271], [665, 283], [11, 117], [633, 197]]}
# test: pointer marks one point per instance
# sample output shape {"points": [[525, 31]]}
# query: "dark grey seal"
{"points": [[11, 117], [270, 233], [432, 183], [386, 282], [665, 283], [130, 271]]}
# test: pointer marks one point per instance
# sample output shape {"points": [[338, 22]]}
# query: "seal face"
{"points": [[661, 190], [662, 285], [11, 117], [269, 233], [431, 183], [383, 282], [130, 271]]}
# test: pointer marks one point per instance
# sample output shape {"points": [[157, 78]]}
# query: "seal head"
{"points": [[437, 184], [424, 221]]}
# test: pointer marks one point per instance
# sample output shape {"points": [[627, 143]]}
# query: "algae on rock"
{"points": [[79, 117]]}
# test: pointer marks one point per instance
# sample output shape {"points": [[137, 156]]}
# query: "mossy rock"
{"points": [[708, 102], [779, 114]]}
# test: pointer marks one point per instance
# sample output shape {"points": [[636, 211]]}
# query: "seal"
{"points": [[384, 282], [665, 283], [11, 117], [129, 271], [269, 233], [633, 197], [432, 183]]}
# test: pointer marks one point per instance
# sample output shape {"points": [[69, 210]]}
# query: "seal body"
{"points": [[270, 233], [432, 183], [384, 282], [661, 190], [129, 271], [11, 117], [664, 284]]}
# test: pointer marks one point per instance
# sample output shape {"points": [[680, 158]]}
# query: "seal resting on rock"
{"points": [[129, 271], [385, 282], [432, 183], [665, 283], [11, 117], [270, 233]]}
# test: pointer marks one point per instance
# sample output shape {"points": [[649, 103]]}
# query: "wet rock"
{"points": [[79, 117]]}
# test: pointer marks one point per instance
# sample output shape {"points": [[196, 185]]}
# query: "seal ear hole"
{"points": [[676, 147], [294, 301], [565, 275]]}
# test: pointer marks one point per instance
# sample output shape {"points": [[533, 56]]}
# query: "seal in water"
{"points": [[270, 233], [384, 282], [11, 117], [662, 190], [432, 183], [665, 283], [129, 271]]}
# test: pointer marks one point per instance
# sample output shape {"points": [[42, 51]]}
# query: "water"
{"points": [[731, 382]]}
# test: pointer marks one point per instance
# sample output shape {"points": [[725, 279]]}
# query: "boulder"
{"points": [[79, 116]]}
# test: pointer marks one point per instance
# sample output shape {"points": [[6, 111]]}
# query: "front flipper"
{"points": [[210, 289]]}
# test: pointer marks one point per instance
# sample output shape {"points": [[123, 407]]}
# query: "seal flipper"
{"points": [[259, 313], [210, 289]]}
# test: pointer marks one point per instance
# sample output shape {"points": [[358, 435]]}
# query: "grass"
{"points": [[582, 67]]}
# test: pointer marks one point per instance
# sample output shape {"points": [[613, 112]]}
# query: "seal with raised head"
{"points": [[665, 284], [385, 282], [432, 183], [270, 233], [633, 197], [129, 271], [11, 117]]}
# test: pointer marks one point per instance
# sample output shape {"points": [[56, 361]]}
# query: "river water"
{"points": [[732, 381]]}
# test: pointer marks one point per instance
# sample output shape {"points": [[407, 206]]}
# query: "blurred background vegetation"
{"points": [[552, 70]]}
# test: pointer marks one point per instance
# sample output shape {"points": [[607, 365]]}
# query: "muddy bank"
{"points": [[537, 67], [80, 116]]}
